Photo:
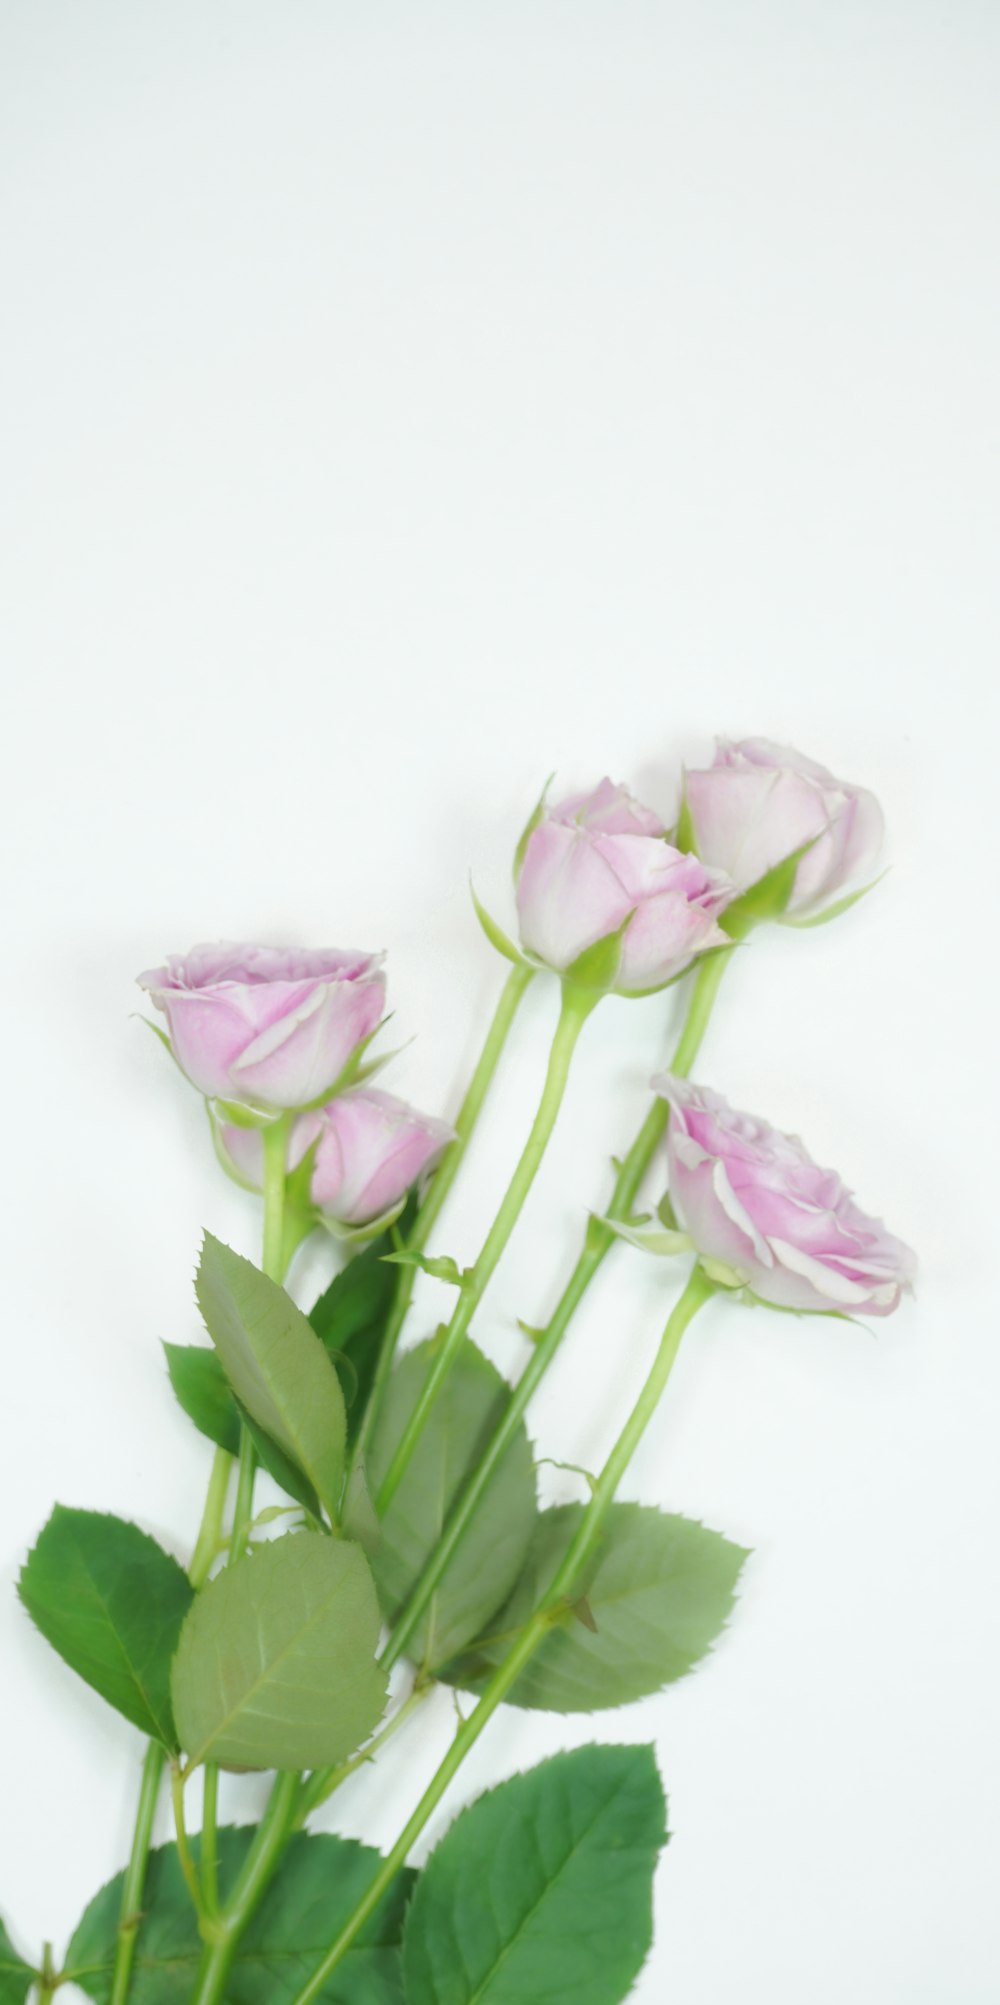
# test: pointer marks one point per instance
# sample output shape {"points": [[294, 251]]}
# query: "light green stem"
{"points": [[210, 1838], [597, 1244], [130, 1913], [255, 1876], [550, 1611], [184, 1854], [210, 1533], [441, 1183], [576, 1007]]}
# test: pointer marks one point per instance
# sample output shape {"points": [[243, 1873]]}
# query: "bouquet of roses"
{"points": [[408, 1550]]}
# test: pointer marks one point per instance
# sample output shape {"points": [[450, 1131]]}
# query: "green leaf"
{"points": [[16, 1976], [659, 1591], [317, 1886], [350, 1317], [542, 1891], [489, 1559], [112, 1602], [440, 1266], [276, 1365], [276, 1662], [281, 1470], [767, 899], [202, 1389]]}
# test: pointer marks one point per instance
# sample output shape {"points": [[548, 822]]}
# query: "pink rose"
{"points": [[370, 1148], [270, 1027], [599, 863], [756, 1204], [758, 803]]}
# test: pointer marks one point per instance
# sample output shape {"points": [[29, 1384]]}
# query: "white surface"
{"points": [[403, 402]]}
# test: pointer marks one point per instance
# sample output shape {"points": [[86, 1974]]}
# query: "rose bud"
{"points": [[272, 1028], [763, 1215], [758, 803], [368, 1149], [598, 867]]}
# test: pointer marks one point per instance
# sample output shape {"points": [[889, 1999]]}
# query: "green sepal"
{"points": [[275, 1667], [835, 910], [316, 1888], [360, 1235], [596, 969], [542, 1890], [529, 828], [683, 836], [112, 1603], [202, 1389], [661, 1240], [494, 933], [767, 899], [16, 1976], [353, 1073]]}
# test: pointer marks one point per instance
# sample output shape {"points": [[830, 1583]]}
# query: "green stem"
{"points": [[184, 1854], [550, 1611], [598, 1242], [441, 1183], [275, 1141], [130, 1913], [210, 1838], [269, 1842], [576, 1007], [210, 1532]]}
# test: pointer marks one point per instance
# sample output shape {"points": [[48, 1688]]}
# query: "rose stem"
{"points": [[441, 1183], [550, 1610]]}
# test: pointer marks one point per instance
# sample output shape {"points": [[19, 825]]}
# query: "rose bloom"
{"points": [[595, 858], [370, 1148], [754, 1201], [758, 803], [268, 1027]]}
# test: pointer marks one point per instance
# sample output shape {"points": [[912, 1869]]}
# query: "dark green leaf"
{"points": [[542, 1891], [276, 1365], [493, 1550], [351, 1316], [276, 1662], [112, 1602], [658, 1592], [277, 1465], [202, 1389], [318, 1884], [16, 1976]]}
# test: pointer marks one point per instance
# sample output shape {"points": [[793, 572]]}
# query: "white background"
{"points": [[402, 402]]}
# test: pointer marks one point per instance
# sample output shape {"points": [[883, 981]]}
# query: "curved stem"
{"points": [[130, 1913], [441, 1183], [576, 1008], [598, 1242], [184, 1854], [271, 1837], [549, 1611], [210, 1532]]}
